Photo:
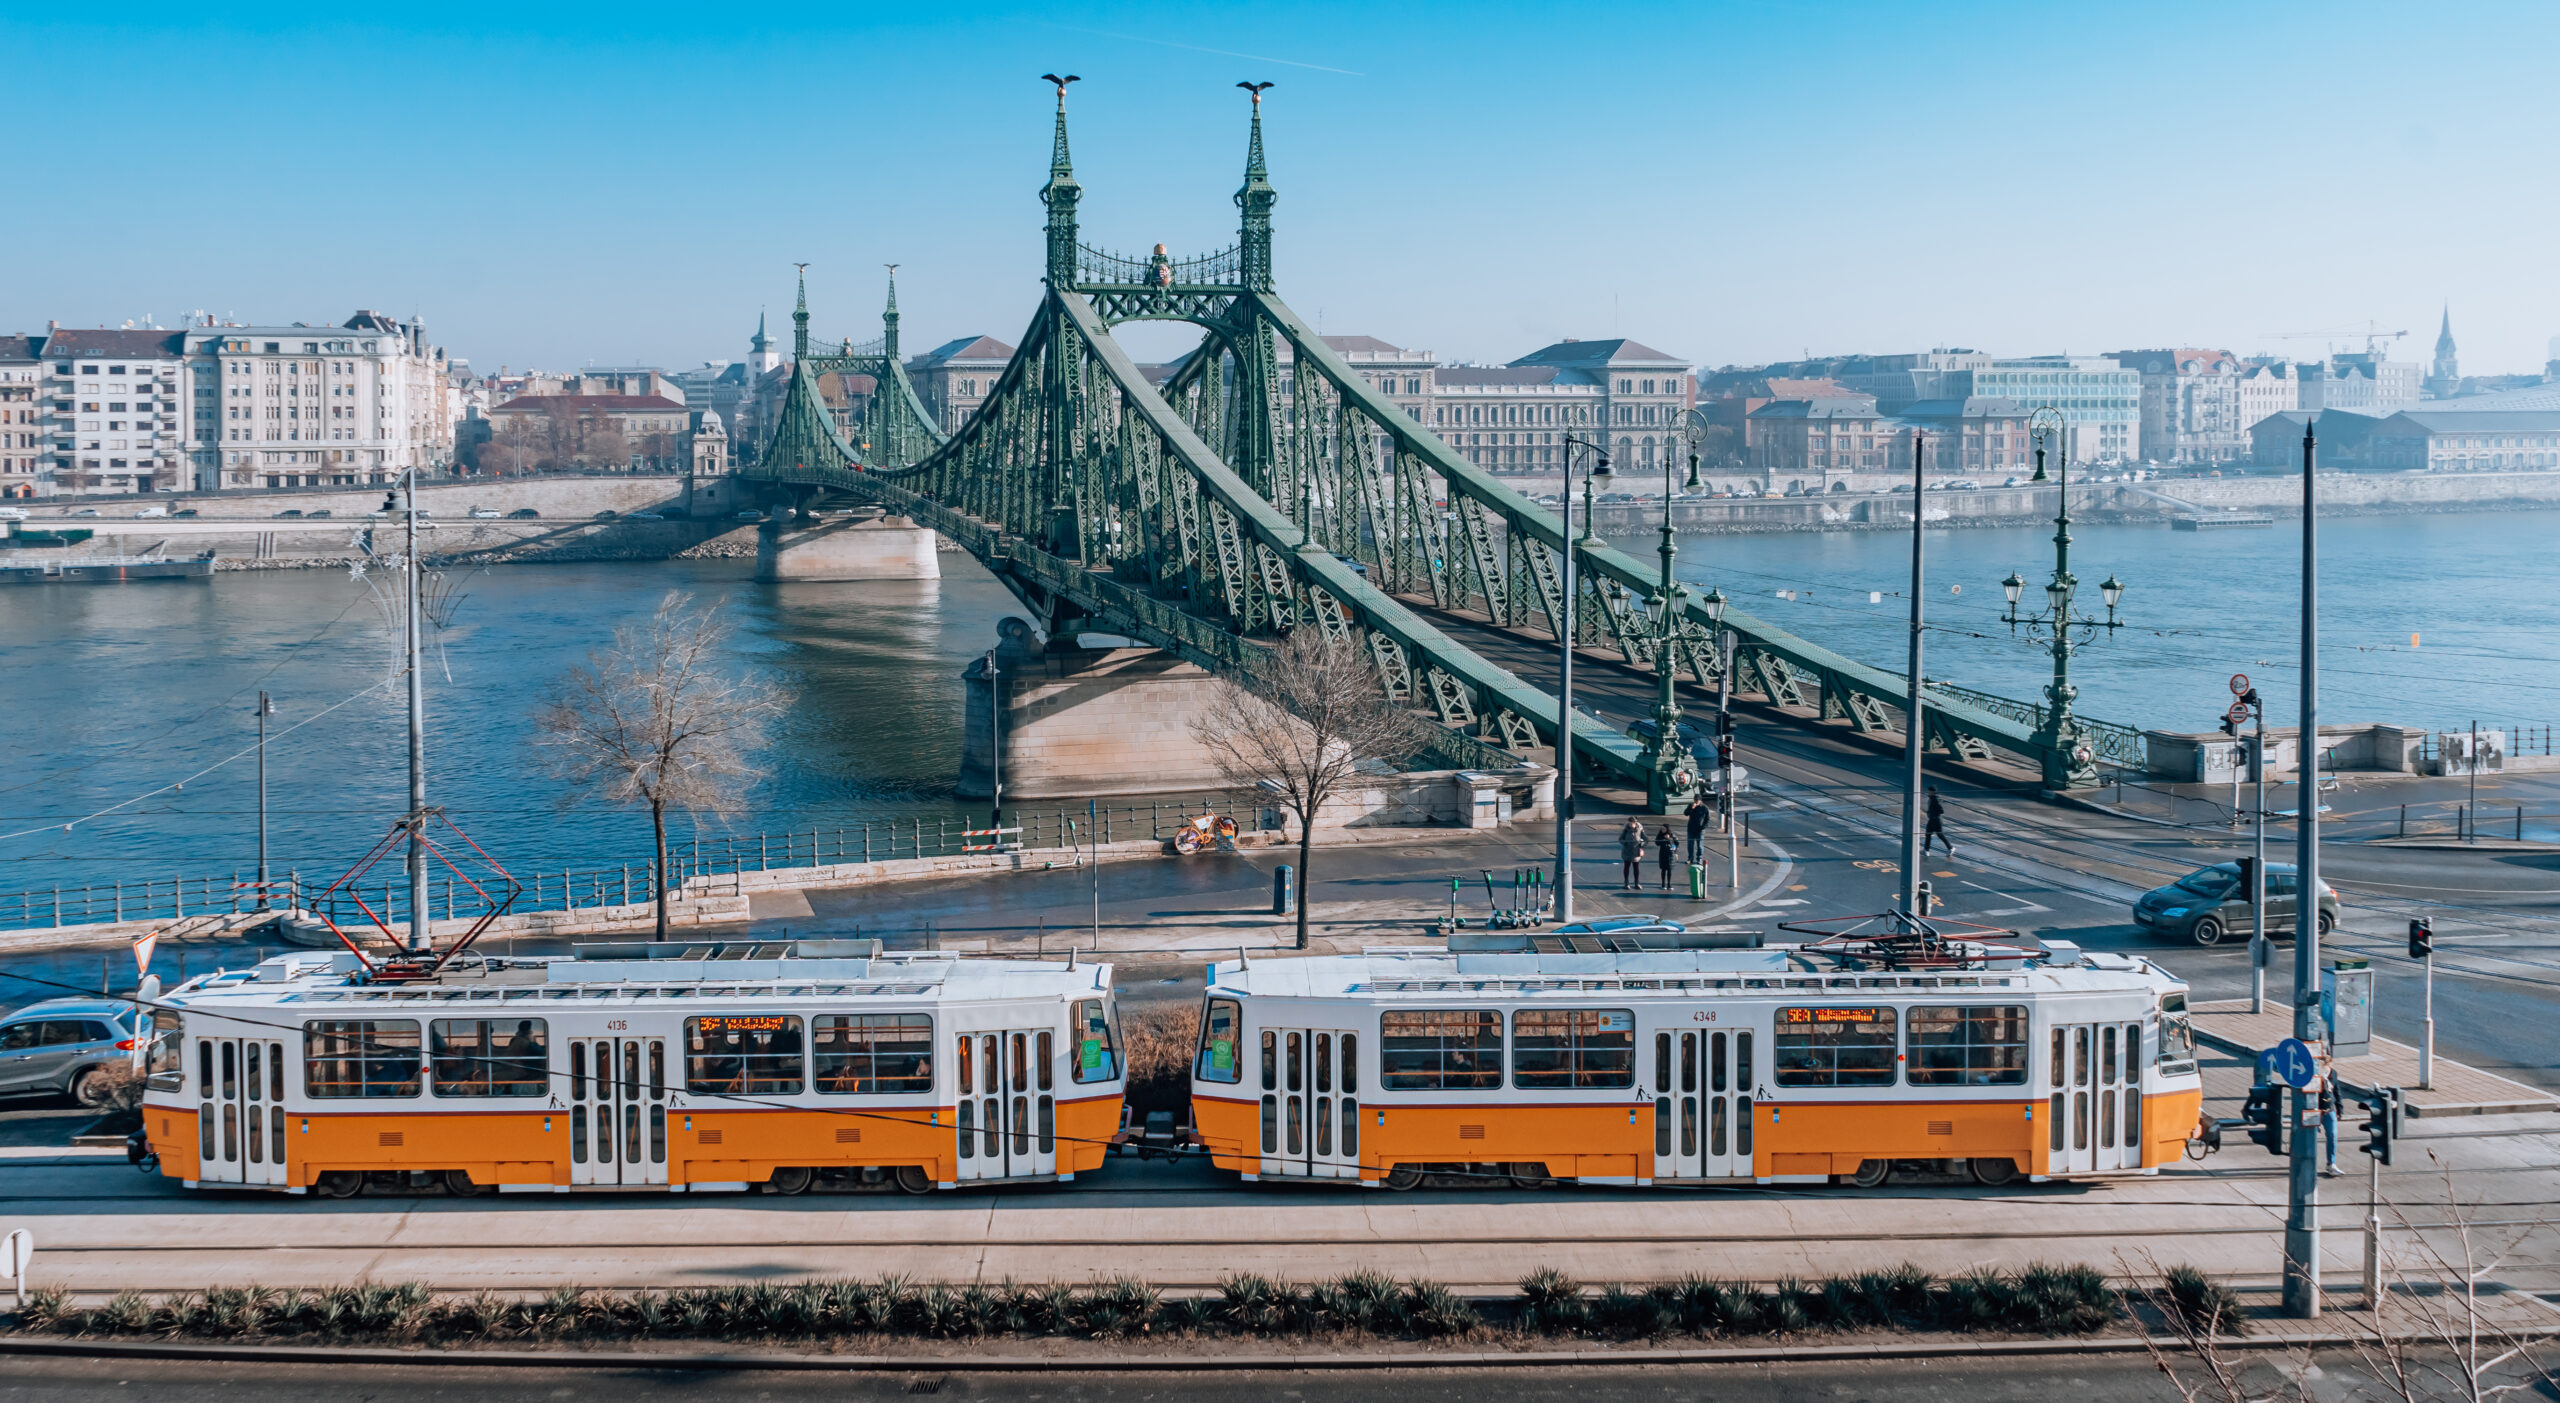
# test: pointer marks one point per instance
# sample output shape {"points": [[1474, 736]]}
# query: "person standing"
{"points": [[1631, 856], [1698, 818], [2328, 1104], [1936, 812], [1663, 848]]}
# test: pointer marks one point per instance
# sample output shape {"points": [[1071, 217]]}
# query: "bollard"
{"points": [[1284, 890]]}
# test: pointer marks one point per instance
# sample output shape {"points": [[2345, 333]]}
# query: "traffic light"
{"points": [[1724, 752], [2264, 1115], [2231, 723], [2381, 1122], [2249, 880], [2422, 943]]}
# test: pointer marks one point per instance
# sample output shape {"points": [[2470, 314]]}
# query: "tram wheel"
{"points": [[1404, 1177], [794, 1180], [457, 1182], [1872, 1173], [340, 1183], [914, 1180], [1528, 1174], [1993, 1173]]}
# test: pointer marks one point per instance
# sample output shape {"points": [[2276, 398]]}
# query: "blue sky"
{"points": [[558, 184]]}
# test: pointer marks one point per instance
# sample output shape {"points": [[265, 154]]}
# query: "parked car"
{"points": [[61, 1045], [184, 511], [751, 516], [484, 513], [644, 516], [324, 511], [148, 512], [524, 514], [289, 511], [607, 514], [2209, 905], [13, 513], [86, 511]]}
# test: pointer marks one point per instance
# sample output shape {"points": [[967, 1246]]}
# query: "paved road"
{"points": [[2098, 1378]]}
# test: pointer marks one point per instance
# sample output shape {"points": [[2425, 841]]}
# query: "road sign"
{"points": [[2238, 713], [2239, 684], [2294, 1063]]}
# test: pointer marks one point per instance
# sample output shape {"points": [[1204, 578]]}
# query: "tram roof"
{"points": [[1434, 972], [803, 969]]}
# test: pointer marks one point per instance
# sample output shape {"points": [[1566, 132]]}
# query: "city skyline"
{"points": [[641, 203]]}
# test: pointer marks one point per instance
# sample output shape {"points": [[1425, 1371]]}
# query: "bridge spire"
{"points": [[1256, 199], [800, 317], [889, 317], [1061, 194]]}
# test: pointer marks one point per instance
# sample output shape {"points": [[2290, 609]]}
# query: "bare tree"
{"points": [[509, 445], [1301, 724], [602, 443], [659, 720]]}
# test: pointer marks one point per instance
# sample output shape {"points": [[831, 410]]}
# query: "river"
{"points": [[113, 693]]}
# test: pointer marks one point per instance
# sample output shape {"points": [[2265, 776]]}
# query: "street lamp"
{"points": [[1598, 471], [1669, 779], [2067, 762]]}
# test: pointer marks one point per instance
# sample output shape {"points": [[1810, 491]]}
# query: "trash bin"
{"points": [[1697, 881], [1284, 890]]}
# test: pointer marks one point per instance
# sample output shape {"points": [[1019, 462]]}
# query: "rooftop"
{"points": [[593, 404], [978, 348], [143, 345], [1616, 353]]}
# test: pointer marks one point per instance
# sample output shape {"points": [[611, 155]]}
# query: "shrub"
{"points": [[2202, 1304], [1433, 1311], [1551, 1303], [1192, 1315]]}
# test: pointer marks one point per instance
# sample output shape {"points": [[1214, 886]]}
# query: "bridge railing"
{"points": [[1095, 266]]}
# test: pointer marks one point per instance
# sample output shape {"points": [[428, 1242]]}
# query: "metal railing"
{"points": [[1220, 269], [2111, 743], [1060, 827], [2521, 740]]}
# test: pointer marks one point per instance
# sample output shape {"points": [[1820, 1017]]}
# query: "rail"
{"points": [[2111, 743]]}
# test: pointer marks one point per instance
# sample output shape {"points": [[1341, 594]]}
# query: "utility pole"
{"points": [[265, 709], [995, 749], [2258, 869], [2302, 1214], [1914, 726], [1564, 677], [421, 936]]}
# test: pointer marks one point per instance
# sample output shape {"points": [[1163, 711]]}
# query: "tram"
{"points": [[637, 1066], [1829, 1061]]}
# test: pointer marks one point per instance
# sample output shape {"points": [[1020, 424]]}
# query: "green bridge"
{"points": [[1210, 513]]}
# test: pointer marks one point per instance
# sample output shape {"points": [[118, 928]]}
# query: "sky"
{"points": [[580, 183]]}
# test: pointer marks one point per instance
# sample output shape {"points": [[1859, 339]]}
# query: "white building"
{"points": [[112, 405], [306, 406], [2099, 400], [2364, 383], [2268, 387]]}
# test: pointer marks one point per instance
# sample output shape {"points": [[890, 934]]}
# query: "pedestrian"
{"points": [[2329, 1125], [1937, 830], [1631, 856], [1698, 819], [1664, 845]]}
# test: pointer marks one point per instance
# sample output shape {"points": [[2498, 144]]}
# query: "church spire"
{"points": [[1255, 200], [1061, 194], [759, 341], [2444, 372]]}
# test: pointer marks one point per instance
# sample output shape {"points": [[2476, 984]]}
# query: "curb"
{"points": [[1142, 1364]]}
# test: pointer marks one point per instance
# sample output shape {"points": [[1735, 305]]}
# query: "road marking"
{"points": [[1786, 900]]}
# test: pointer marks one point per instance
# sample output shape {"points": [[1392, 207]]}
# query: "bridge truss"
{"points": [[1266, 485]]}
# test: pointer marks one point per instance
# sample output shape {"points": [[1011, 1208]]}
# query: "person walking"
{"points": [[1936, 812], [1664, 846], [1631, 856], [1699, 816]]}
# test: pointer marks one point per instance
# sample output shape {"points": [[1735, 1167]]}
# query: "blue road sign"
{"points": [[2267, 1074], [2294, 1063]]}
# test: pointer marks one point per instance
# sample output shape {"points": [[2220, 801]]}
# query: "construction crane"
{"points": [[2372, 333]]}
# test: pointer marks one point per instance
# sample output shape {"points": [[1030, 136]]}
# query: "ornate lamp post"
{"points": [[2068, 762], [1672, 777], [1599, 469]]}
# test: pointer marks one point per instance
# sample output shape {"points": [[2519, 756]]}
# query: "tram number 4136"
{"points": [[618, 1025]]}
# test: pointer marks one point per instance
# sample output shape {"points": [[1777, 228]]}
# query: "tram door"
{"points": [[240, 1119], [618, 1111], [1311, 1102], [1008, 1107], [2093, 1097], [1702, 1104]]}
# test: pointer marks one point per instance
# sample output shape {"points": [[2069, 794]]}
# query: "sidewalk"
{"points": [[2362, 806], [2459, 1090]]}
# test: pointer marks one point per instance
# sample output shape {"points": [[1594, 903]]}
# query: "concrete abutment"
{"points": [[839, 548]]}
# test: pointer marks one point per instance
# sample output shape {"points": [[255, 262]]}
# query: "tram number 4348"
{"points": [[1704, 1015]]}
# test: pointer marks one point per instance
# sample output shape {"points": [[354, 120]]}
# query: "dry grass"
{"points": [[1160, 1041]]}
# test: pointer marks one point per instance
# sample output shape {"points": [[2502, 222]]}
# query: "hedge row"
{"points": [[2053, 1300]]}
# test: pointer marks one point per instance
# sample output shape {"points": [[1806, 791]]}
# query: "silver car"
{"points": [[61, 1045]]}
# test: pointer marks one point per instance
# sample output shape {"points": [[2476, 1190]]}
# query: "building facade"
{"points": [[2268, 386], [309, 406], [2363, 383], [1814, 445], [114, 403], [955, 378], [611, 433], [2479, 441], [2100, 401], [22, 416], [2190, 404]]}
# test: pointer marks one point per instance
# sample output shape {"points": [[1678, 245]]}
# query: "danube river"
{"points": [[114, 692]]}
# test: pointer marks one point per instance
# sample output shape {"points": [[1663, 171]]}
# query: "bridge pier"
{"points": [[839, 548], [1084, 721]]}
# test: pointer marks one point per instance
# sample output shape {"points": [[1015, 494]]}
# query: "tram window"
{"points": [[1217, 1060], [230, 1071], [577, 1071], [1270, 1060], [657, 1069], [2056, 1061], [485, 1057], [1350, 1064], [1688, 1062], [1350, 1128], [2107, 1054], [1969, 1046], [1324, 1061], [1835, 1046], [360, 1057], [275, 1079], [1715, 1063], [2132, 1118], [257, 1078], [1296, 1061], [169, 1052], [1271, 1125], [578, 1129], [1097, 1052], [1742, 1075], [748, 1053], [1044, 1056], [1576, 1047], [1662, 1064], [204, 1069], [1460, 1049], [873, 1054], [968, 1069]]}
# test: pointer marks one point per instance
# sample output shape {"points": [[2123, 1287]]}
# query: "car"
{"points": [[607, 514], [148, 512], [13, 513], [750, 516], [184, 511], [1624, 925], [86, 511], [2209, 905], [324, 511], [524, 514], [65, 1045], [484, 513], [289, 511]]}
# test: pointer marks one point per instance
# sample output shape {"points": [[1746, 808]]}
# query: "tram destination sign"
{"points": [[1827, 1015], [744, 1023]]}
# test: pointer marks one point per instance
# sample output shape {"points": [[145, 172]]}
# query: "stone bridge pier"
{"points": [[1065, 721], [865, 546]]}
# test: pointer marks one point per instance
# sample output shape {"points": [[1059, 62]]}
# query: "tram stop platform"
{"points": [[2459, 1090]]}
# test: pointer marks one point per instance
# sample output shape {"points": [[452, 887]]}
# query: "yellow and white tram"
{"points": [[638, 1066], [1779, 1065]]}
